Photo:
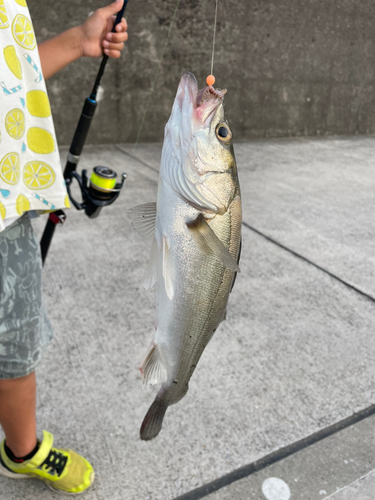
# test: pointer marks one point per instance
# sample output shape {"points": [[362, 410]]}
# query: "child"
{"points": [[31, 180]]}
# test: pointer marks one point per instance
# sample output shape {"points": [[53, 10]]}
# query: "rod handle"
{"points": [[80, 135]]}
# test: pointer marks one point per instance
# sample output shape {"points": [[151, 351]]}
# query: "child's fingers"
{"points": [[123, 26], [115, 54], [113, 46], [117, 37]]}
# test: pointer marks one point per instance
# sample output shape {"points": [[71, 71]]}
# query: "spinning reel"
{"points": [[98, 192]]}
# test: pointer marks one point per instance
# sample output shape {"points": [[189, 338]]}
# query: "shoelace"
{"points": [[55, 462]]}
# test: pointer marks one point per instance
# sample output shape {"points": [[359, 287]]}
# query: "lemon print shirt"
{"points": [[30, 170]]}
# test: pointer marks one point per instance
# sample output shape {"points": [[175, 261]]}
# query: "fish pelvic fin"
{"points": [[153, 421], [168, 269], [209, 242], [152, 273], [153, 369], [143, 219]]}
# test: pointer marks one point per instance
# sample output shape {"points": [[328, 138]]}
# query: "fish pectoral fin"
{"points": [[153, 369], [143, 219], [152, 273], [208, 241], [168, 269]]}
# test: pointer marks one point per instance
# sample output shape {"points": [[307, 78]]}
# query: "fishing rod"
{"points": [[101, 190]]}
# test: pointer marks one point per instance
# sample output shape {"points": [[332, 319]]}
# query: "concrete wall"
{"points": [[291, 67]]}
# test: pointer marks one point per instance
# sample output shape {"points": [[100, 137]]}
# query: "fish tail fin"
{"points": [[153, 420]]}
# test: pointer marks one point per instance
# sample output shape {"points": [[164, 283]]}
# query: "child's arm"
{"points": [[90, 39]]}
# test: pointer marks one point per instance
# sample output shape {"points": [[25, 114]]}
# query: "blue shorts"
{"points": [[25, 330]]}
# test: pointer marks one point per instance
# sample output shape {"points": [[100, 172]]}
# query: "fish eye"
{"points": [[223, 133]]}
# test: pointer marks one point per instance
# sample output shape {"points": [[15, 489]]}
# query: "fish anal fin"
{"points": [[143, 219], [153, 369], [209, 241]]}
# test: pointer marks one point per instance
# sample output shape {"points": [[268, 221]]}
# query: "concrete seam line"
{"points": [[305, 259], [351, 484], [276, 456], [125, 152]]}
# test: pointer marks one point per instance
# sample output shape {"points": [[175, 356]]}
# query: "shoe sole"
{"points": [[12, 475], [15, 475]]}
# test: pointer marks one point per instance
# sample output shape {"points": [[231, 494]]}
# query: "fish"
{"points": [[195, 229]]}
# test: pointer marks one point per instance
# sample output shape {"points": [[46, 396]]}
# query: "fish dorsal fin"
{"points": [[152, 273], [143, 219], [153, 369], [210, 242], [168, 271]]}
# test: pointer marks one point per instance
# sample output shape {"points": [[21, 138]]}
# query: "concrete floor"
{"points": [[294, 359], [336, 467]]}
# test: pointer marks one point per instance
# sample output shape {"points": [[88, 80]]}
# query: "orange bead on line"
{"points": [[210, 80]]}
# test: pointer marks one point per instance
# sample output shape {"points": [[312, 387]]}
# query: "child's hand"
{"points": [[96, 36]]}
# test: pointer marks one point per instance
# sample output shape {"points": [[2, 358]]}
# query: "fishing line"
{"points": [[157, 75], [213, 43], [210, 79]]}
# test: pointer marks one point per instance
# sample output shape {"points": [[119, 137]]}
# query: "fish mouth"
{"points": [[210, 94], [208, 100], [203, 102]]}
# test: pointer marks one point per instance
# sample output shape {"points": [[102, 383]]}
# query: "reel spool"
{"points": [[98, 192]]}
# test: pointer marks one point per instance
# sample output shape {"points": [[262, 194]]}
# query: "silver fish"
{"points": [[195, 228]]}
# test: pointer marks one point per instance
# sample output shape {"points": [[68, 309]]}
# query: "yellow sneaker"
{"points": [[62, 470]]}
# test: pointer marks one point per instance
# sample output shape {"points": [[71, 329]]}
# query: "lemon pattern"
{"points": [[67, 202], [12, 61], [38, 175], [30, 171], [15, 123], [10, 168], [22, 204], [23, 32], [38, 104], [2, 211], [4, 23], [40, 140]]}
